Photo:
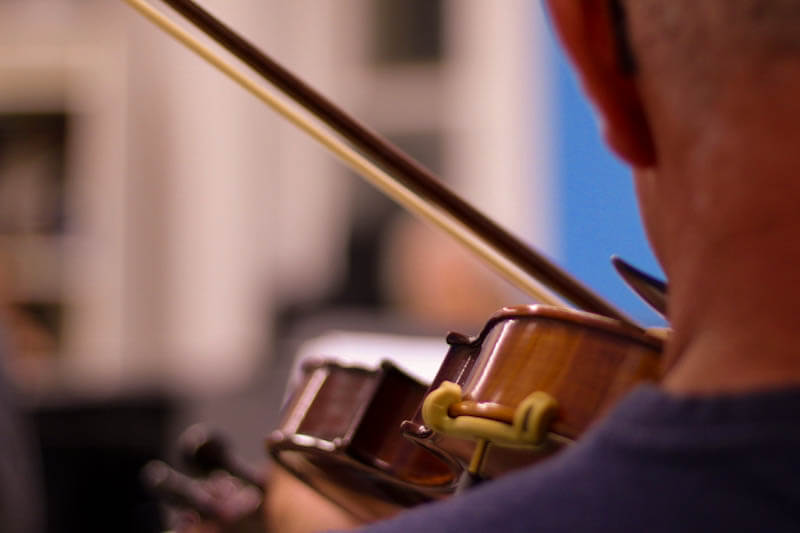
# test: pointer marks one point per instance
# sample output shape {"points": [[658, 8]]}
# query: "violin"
{"points": [[362, 437], [533, 380]]}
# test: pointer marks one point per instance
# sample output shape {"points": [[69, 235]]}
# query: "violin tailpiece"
{"points": [[529, 429]]}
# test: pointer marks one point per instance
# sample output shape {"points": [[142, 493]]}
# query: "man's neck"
{"points": [[734, 258], [736, 325]]}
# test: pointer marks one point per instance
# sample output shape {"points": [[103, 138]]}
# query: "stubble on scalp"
{"points": [[703, 40]]}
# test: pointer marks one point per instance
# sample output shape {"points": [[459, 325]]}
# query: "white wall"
{"points": [[199, 211]]}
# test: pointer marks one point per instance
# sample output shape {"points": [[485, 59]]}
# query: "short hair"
{"points": [[707, 37], [692, 50]]}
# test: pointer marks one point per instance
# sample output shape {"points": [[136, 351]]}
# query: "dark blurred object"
{"points": [[221, 500], [227, 495], [33, 155], [205, 451], [34, 187], [178, 489], [20, 491], [411, 31], [92, 454]]}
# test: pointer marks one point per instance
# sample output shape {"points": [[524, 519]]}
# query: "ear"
{"points": [[587, 33]]}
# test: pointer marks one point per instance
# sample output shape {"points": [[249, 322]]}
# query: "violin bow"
{"points": [[387, 168]]}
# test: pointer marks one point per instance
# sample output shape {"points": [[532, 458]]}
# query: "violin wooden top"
{"points": [[583, 360]]}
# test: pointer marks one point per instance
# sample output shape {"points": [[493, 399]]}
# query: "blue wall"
{"points": [[598, 214]]}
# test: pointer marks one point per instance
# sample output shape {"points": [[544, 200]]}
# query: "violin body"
{"points": [[353, 434], [584, 362], [339, 433]]}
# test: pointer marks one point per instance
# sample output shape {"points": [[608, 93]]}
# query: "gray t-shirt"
{"points": [[657, 463]]}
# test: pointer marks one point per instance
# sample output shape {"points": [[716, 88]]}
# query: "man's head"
{"points": [[701, 68], [689, 49]]}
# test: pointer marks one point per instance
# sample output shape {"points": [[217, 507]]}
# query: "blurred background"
{"points": [[167, 243]]}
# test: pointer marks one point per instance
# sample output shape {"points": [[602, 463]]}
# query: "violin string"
{"points": [[361, 165]]}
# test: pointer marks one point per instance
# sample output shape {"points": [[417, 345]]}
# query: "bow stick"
{"points": [[396, 175]]}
